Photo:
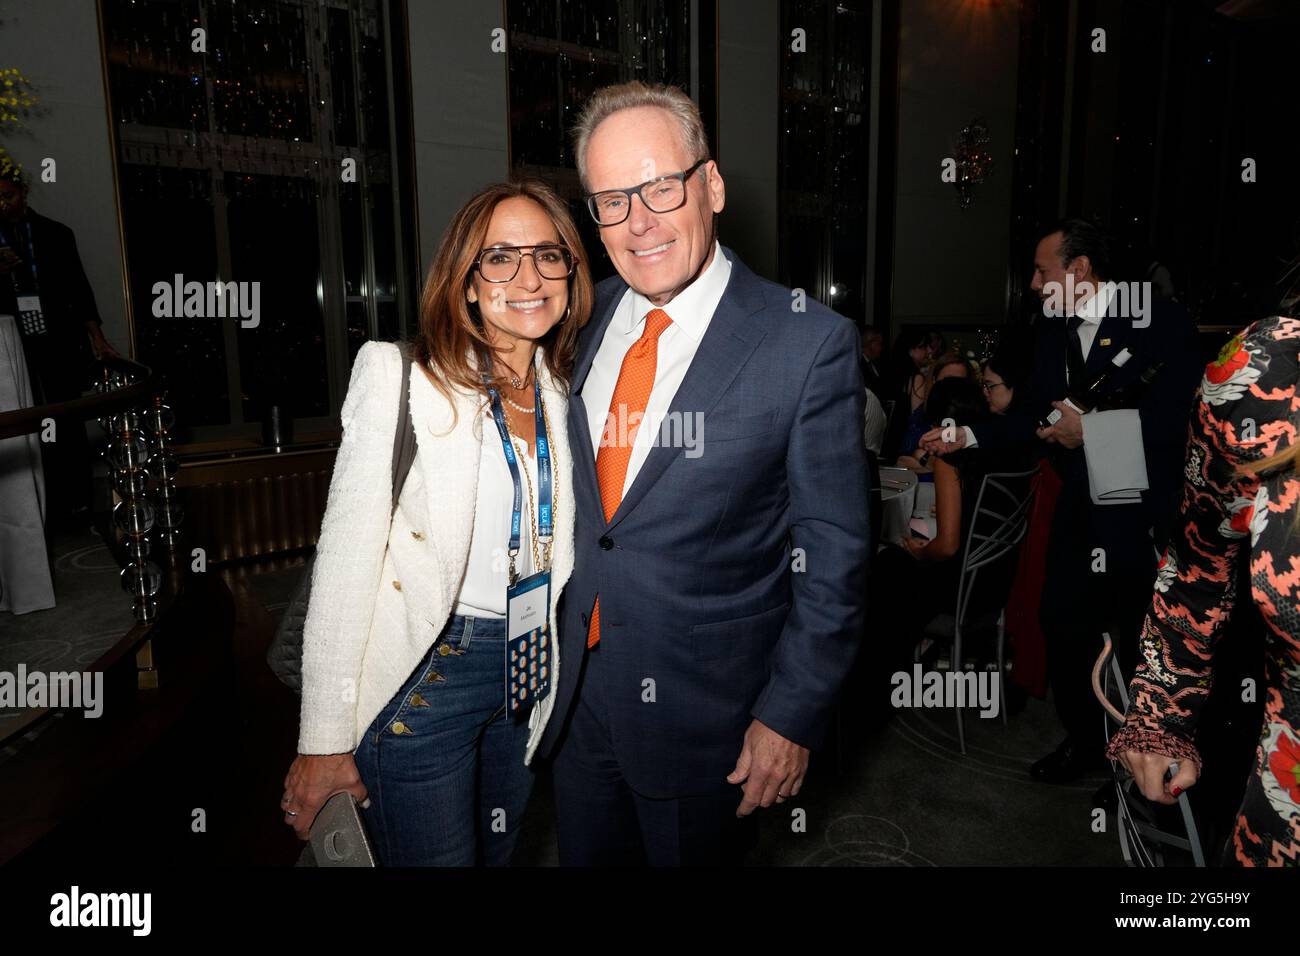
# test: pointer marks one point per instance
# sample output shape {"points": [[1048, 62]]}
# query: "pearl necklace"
{"points": [[516, 405]]}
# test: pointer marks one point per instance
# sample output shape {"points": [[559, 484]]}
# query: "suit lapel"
{"points": [[594, 334], [1110, 338], [728, 342]]}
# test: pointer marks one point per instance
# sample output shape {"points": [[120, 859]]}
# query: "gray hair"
{"points": [[625, 96]]}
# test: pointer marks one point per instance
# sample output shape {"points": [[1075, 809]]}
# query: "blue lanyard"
{"points": [[30, 259], [543, 470]]}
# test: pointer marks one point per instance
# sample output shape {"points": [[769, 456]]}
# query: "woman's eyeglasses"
{"points": [[989, 386], [501, 263]]}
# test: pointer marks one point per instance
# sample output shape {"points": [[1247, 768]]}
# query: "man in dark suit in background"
{"points": [[715, 606], [1101, 557], [40, 265], [874, 374]]}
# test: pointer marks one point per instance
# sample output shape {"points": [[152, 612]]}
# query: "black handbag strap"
{"points": [[404, 439]]}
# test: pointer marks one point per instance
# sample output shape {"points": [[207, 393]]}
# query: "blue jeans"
{"points": [[443, 762]]}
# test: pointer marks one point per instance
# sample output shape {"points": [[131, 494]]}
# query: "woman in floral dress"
{"points": [[1241, 502]]}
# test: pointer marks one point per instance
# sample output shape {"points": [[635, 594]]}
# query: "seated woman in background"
{"points": [[931, 569], [906, 389], [948, 366], [1001, 379]]}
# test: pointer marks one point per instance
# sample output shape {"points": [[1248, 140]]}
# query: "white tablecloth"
{"points": [[897, 499], [25, 583], [907, 505]]}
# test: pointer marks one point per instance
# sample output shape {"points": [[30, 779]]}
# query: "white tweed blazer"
{"points": [[381, 596]]}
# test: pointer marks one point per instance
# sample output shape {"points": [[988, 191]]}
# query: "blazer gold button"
{"points": [[398, 585], [417, 536]]}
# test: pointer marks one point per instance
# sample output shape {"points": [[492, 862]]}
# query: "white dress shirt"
{"points": [[1092, 312], [874, 423], [691, 311], [483, 591]]}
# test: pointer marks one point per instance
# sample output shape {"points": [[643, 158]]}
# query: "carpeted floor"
{"points": [[905, 796], [882, 795], [92, 613]]}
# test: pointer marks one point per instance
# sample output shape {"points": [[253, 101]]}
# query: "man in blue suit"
{"points": [[717, 599]]}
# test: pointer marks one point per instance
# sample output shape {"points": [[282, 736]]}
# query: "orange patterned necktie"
{"points": [[631, 393]]}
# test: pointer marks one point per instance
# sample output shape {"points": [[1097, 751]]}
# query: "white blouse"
{"points": [[483, 592]]}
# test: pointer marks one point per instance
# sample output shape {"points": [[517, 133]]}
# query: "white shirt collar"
{"points": [[1094, 310], [687, 308]]}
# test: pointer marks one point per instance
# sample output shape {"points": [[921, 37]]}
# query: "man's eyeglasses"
{"points": [[501, 263], [662, 194]]}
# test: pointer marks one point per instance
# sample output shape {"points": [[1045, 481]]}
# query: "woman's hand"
{"points": [[1148, 770], [311, 781]]}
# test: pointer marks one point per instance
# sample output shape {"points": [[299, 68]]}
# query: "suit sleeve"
{"points": [[826, 472], [81, 298], [349, 555]]}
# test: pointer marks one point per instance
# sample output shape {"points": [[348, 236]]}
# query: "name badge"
{"points": [[528, 642], [30, 317], [1104, 342]]}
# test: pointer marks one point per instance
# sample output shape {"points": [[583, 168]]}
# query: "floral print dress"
{"points": [[1247, 412]]}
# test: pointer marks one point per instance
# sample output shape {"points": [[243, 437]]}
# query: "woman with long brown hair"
{"points": [[1241, 503], [413, 697]]}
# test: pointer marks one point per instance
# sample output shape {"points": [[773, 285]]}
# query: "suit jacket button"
{"points": [[417, 536], [606, 542], [584, 620], [398, 585]]}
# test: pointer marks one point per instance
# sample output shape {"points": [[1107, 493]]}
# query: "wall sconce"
{"points": [[974, 161]]}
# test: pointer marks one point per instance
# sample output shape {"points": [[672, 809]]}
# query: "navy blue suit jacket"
{"points": [[701, 588]]}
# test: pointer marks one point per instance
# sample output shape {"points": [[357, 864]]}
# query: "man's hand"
{"points": [[98, 344], [1068, 431], [9, 260], [771, 767], [933, 441]]}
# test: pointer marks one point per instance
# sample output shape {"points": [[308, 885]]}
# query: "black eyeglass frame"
{"points": [[478, 261], [636, 191]]}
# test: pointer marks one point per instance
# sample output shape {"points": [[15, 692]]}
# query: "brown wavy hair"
{"points": [[451, 329]]}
